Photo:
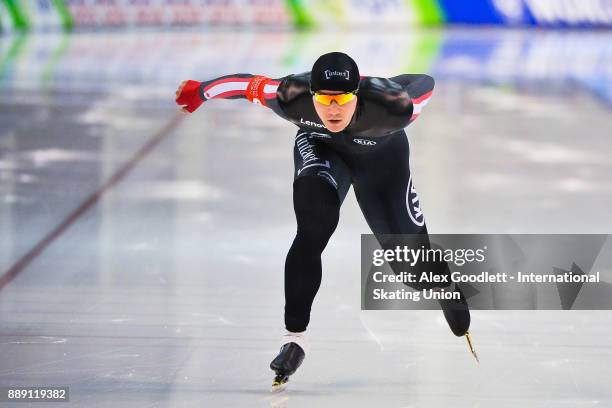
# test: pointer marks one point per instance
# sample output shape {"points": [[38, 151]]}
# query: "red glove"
{"points": [[190, 96]]}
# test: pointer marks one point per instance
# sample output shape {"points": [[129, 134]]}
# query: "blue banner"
{"points": [[546, 13]]}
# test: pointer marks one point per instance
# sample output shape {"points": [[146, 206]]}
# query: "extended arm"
{"points": [[257, 89], [419, 87]]}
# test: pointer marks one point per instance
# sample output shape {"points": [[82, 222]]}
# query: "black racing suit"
{"points": [[371, 153]]}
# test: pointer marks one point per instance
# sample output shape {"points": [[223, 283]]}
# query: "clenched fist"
{"points": [[188, 96]]}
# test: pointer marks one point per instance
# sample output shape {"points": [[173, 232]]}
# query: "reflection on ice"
{"points": [[180, 190], [42, 157]]}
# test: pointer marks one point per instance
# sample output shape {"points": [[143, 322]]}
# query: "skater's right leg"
{"points": [[321, 182], [317, 209]]}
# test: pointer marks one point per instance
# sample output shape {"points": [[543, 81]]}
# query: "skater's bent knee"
{"points": [[317, 207]]}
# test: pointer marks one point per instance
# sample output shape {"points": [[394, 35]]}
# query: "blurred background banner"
{"points": [[45, 14], [555, 62]]}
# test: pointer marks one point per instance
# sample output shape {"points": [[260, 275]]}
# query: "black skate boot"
{"points": [[457, 315], [285, 364]]}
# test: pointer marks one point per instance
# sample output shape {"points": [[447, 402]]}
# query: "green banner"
{"points": [[429, 12], [19, 18], [64, 13]]}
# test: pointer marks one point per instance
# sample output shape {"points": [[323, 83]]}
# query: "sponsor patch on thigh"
{"points": [[413, 205]]}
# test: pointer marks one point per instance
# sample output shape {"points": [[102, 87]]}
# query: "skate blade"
{"points": [[471, 346], [279, 384]]}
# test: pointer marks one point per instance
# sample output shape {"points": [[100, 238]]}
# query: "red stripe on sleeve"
{"points": [[228, 94], [222, 81], [422, 97]]}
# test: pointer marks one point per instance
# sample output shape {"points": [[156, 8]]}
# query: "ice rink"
{"points": [[142, 251]]}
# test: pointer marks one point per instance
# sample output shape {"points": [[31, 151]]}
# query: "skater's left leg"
{"points": [[388, 199]]}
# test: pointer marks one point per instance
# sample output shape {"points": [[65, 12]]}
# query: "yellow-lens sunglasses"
{"points": [[340, 99]]}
